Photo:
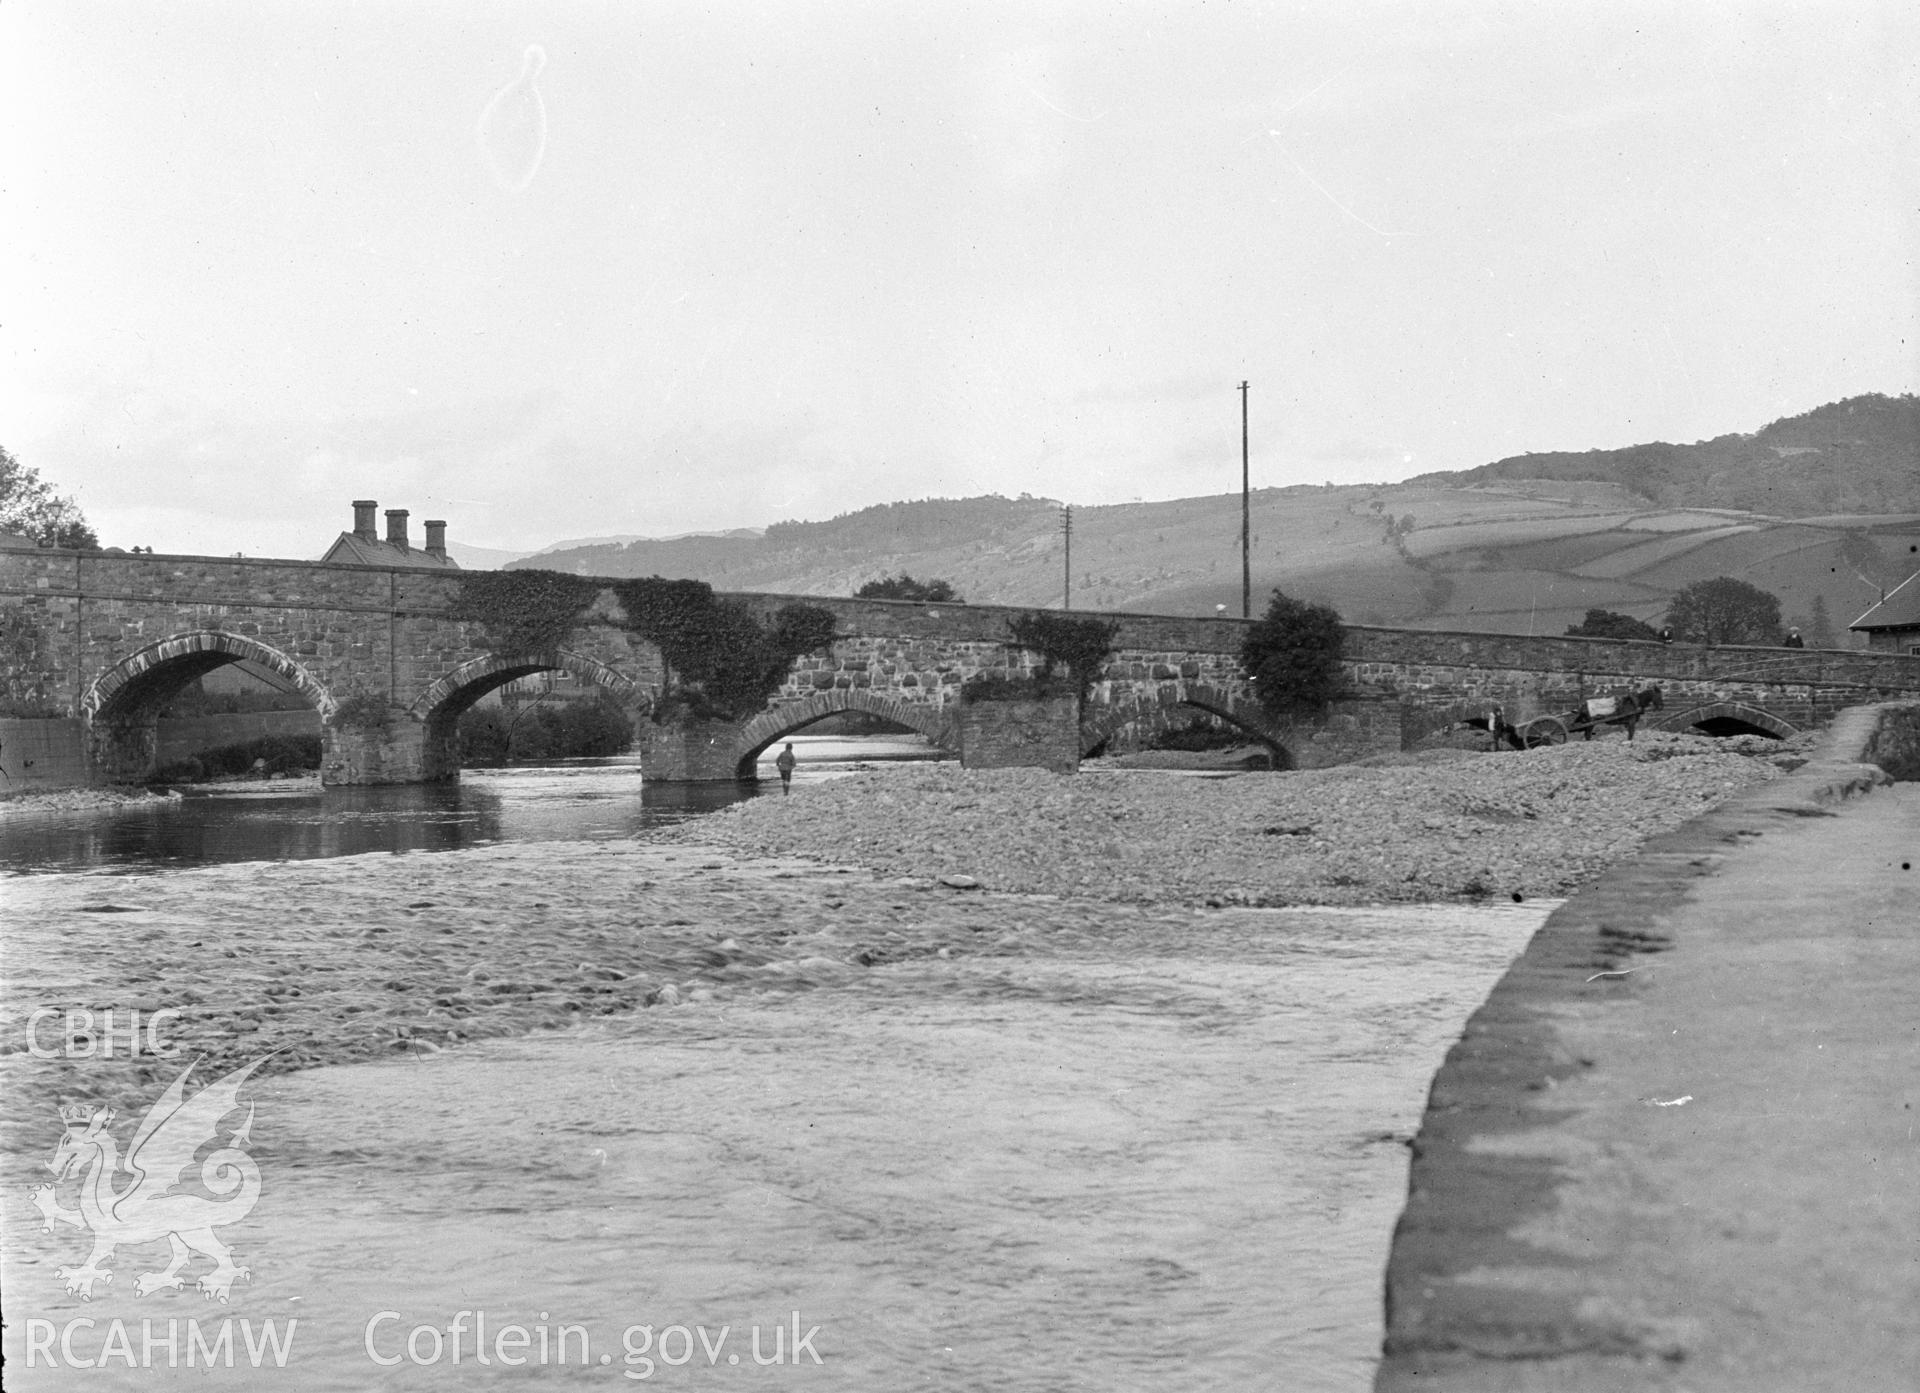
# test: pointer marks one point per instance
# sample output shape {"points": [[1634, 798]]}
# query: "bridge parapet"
{"points": [[382, 643]]}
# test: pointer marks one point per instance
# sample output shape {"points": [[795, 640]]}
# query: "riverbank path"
{"points": [[1735, 1144]]}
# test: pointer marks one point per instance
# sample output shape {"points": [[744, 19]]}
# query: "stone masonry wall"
{"points": [[367, 631], [1020, 734]]}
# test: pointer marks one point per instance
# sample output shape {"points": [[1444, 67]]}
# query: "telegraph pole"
{"points": [[1066, 531], [1246, 516]]}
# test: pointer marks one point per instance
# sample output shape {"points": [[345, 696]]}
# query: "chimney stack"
{"points": [[363, 526], [437, 538], [397, 528]]}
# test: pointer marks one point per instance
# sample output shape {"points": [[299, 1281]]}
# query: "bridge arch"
{"points": [[440, 707], [763, 730], [121, 706], [145, 678], [1156, 712], [460, 689], [1730, 718]]}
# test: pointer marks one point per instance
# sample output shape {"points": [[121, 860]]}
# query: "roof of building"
{"points": [[354, 549], [1899, 610]]}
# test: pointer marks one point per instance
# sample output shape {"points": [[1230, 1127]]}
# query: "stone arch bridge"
{"points": [[102, 640]]}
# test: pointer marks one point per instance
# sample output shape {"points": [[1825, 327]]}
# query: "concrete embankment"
{"points": [[1679, 1146]]}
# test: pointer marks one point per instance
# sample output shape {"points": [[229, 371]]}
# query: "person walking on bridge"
{"points": [[785, 765]]}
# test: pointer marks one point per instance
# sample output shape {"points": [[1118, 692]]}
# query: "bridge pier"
{"points": [[123, 749], [395, 752], [690, 752], [1043, 733]]}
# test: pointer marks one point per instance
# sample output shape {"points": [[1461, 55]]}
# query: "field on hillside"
{"points": [[1517, 556]]}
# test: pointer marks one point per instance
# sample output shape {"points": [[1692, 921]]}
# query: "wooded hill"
{"points": [[1861, 455], [1525, 545]]}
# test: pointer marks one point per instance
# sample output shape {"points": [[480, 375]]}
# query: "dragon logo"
{"points": [[145, 1208]]}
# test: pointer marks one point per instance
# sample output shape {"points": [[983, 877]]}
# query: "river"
{"points": [[1103, 1151], [575, 800]]}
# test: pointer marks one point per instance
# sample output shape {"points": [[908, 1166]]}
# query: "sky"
{"points": [[564, 270]]}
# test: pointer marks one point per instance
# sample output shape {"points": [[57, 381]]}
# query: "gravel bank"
{"points": [[63, 800], [364, 957], [1462, 828]]}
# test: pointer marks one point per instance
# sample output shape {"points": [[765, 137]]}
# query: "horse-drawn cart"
{"points": [[1591, 715]]}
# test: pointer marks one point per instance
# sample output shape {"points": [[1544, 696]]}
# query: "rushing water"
{"points": [[579, 800], [1167, 1157]]}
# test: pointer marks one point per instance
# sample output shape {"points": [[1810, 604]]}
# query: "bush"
{"points": [[280, 754], [181, 771], [484, 739], [491, 736], [1604, 623], [1292, 653], [905, 587], [195, 700], [1199, 734]]}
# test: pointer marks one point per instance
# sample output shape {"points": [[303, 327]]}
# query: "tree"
{"points": [[905, 587], [29, 505], [1724, 610], [1604, 623], [1292, 653], [1820, 626]]}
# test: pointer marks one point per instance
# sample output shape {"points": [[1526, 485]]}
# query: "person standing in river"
{"points": [[785, 765]]}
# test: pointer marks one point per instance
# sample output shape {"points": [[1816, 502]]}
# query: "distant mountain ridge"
{"points": [[1861, 455], [1821, 509]]}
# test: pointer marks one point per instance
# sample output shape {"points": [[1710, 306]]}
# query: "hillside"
{"points": [[1861, 455], [1480, 550]]}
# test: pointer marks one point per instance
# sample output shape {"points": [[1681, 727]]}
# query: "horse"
{"points": [[1615, 711]]}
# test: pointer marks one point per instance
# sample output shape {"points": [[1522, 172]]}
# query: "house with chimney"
{"points": [[364, 547], [1893, 625]]}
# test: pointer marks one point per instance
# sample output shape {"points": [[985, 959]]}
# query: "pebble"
{"points": [[1404, 828]]}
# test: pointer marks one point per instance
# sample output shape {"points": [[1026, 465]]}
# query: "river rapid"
{"points": [[933, 1138]]}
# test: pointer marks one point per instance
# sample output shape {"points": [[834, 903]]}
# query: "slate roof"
{"points": [[1900, 610], [354, 549]]}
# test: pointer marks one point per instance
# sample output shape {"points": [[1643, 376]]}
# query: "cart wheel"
{"points": [[1543, 730]]}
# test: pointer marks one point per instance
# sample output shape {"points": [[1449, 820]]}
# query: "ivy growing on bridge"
{"points": [[524, 611], [1080, 646], [723, 662]]}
